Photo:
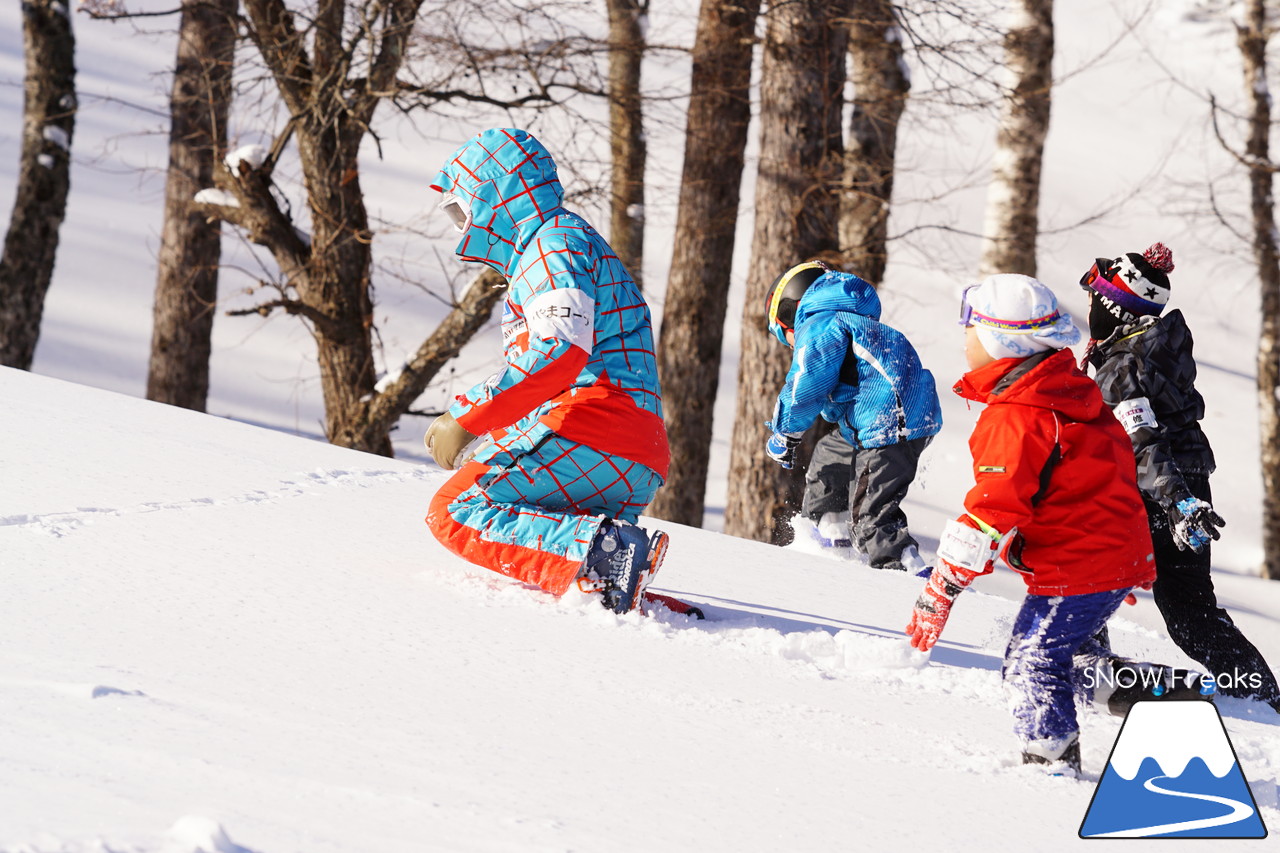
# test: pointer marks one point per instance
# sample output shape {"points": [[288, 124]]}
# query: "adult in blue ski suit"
{"points": [[574, 444], [866, 378]]}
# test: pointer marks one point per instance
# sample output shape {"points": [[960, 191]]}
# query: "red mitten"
{"points": [[934, 604]]}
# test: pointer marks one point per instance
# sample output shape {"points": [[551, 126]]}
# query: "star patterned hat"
{"points": [[1132, 285]]}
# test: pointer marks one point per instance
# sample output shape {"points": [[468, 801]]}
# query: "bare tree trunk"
{"points": [[190, 243], [880, 87], [1013, 200], [796, 205], [44, 177], [326, 275], [1252, 36], [338, 281], [689, 346], [626, 132]]}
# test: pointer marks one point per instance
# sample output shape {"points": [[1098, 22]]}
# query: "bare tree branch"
{"points": [[444, 344], [259, 214], [434, 96], [291, 306], [282, 47], [1249, 162]]}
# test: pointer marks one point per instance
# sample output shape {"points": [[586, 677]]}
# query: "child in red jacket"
{"points": [[1055, 497]]}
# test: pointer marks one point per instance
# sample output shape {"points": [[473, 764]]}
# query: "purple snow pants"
{"points": [[1040, 675]]}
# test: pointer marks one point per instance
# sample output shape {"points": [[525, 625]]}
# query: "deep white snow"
{"points": [[209, 624]]}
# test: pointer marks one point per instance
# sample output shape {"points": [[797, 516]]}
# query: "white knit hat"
{"points": [[1016, 316]]}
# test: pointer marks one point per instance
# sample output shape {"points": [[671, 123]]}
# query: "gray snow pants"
{"points": [[870, 484]]}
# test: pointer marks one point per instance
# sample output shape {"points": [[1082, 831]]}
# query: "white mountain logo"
{"points": [[1173, 774]]}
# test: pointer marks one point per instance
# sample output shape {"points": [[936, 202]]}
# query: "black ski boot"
{"points": [[621, 562], [1134, 682]]}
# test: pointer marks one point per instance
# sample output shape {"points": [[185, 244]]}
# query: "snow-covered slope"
{"points": [[217, 637]]}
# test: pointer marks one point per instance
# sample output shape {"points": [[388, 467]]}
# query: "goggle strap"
{"points": [[1016, 327]]}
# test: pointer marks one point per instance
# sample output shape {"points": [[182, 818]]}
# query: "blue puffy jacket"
{"points": [[839, 336]]}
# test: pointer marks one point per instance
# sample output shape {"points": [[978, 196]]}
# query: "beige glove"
{"points": [[449, 444]]}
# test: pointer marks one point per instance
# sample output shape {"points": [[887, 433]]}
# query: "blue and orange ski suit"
{"points": [[574, 416]]}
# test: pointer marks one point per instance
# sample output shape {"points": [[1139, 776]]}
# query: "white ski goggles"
{"points": [[459, 214]]}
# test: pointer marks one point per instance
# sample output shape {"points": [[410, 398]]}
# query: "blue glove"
{"points": [[782, 449], [1193, 523]]}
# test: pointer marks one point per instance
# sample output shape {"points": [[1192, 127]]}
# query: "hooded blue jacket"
{"points": [[893, 398], [577, 334]]}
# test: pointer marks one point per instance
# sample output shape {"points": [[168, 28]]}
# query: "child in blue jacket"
{"points": [[866, 378]]}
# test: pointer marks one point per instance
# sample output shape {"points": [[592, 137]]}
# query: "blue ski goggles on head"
{"points": [[966, 310]]}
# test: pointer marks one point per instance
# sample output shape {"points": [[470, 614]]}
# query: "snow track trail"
{"points": [[206, 620]]}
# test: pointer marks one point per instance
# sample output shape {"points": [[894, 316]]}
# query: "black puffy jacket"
{"points": [[1152, 360]]}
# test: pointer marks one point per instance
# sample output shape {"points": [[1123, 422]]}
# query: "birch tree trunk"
{"points": [[796, 213], [626, 133], [190, 242], [1013, 199], [1252, 36], [880, 87], [690, 342], [44, 177]]}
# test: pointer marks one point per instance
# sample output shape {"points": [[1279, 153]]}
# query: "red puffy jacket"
{"points": [[1053, 466]]}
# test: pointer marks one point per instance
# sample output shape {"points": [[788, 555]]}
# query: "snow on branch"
{"points": [[213, 195], [251, 156]]}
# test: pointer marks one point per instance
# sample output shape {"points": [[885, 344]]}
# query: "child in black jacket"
{"points": [[1147, 373]]}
